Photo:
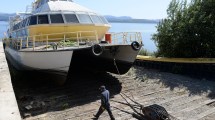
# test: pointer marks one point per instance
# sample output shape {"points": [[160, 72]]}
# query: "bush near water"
{"points": [[188, 31]]}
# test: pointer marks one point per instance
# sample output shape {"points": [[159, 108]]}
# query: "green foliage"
{"points": [[145, 52], [68, 43], [188, 31]]}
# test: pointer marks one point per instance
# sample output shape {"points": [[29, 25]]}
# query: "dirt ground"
{"points": [[183, 97]]}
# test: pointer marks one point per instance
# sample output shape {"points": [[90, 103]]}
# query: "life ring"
{"points": [[135, 45], [97, 50]]}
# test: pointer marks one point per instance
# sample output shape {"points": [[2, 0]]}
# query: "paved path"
{"points": [[183, 97], [8, 105]]}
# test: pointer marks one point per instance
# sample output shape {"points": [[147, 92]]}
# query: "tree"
{"points": [[188, 31]]}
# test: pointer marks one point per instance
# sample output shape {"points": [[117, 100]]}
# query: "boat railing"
{"points": [[70, 39], [55, 40], [126, 37], [29, 9]]}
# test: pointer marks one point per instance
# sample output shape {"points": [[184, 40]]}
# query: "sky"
{"points": [[140, 9]]}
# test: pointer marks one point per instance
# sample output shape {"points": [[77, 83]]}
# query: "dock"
{"points": [[8, 104], [195, 67]]}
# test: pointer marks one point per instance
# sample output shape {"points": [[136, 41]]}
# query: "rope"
{"points": [[114, 60]]}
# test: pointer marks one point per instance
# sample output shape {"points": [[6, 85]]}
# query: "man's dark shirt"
{"points": [[105, 98]]}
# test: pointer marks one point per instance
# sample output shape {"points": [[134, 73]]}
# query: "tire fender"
{"points": [[97, 50], [135, 45]]}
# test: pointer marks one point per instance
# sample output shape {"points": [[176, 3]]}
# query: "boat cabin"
{"points": [[58, 16]]}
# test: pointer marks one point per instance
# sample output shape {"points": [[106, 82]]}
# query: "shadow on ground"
{"points": [[37, 93], [193, 85]]}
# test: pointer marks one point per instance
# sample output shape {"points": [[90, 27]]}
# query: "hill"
{"points": [[128, 19], [5, 16]]}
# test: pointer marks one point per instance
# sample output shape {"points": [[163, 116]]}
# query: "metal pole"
{"points": [[20, 47], [77, 39], [47, 42], [64, 41], [27, 43], [33, 42]]}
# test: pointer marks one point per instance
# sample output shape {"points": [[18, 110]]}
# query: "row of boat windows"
{"points": [[61, 18]]}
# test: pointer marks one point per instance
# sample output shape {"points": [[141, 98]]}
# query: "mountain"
{"points": [[110, 18], [128, 19], [5, 16]]}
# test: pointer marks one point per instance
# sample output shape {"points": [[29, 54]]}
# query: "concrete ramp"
{"points": [[8, 104]]}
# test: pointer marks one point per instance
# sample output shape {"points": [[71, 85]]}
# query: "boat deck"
{"points": [[50, 48]]}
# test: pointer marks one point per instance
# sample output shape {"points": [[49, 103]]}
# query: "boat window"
{"points": [[71, 18], [22, 32], [13, 34], [27, 21], [16, 26], [96, 19], [33, 20], [44, 1], [19, 25], [84, 18], [43, 19], [104, 20], [24, 22], [18, 33], [56, 18]]}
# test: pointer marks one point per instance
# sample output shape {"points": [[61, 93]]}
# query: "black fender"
{"points": [[97, 50], [4, 45], [135, 45]]}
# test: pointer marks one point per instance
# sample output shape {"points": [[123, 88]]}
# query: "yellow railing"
{"points": [[45, 41]]}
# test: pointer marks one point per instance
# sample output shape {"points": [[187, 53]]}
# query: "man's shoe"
{"points": [[95, 116], [112, 118]]}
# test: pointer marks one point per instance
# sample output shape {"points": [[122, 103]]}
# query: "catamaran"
{"points": [[58, 35]]}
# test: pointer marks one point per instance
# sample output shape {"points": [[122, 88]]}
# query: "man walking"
{"points": [[105, 104]]}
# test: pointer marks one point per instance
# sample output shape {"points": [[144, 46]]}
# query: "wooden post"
{"points": [[20, 47], [27, 42], [77, 39], [47, 42], [64, 41], [33, 42]]}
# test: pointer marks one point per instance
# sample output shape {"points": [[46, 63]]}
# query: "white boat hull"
{"points": [[114, 58], [41, 60]]}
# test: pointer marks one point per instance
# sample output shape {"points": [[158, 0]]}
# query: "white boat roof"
{"points": [[57, 6]]}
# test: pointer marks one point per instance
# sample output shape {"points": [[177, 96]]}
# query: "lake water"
{"points": [[3, 28], [146, 29]]}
